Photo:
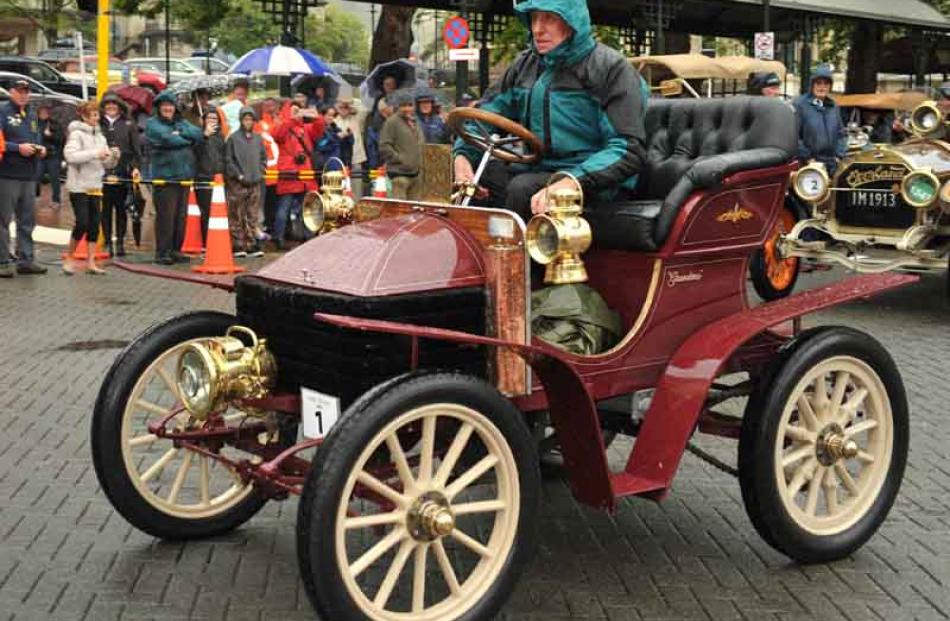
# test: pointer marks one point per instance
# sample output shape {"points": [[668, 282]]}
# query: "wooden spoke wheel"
{"points": [[164, 488], [420, 505], [824, 444], [774, 276]]}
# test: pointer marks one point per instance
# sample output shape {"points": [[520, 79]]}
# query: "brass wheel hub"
{"points": [[833, 446], [430, 517]]}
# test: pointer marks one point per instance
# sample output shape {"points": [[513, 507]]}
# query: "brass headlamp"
{"points": [[329, 208], [216, 370], [558, 238], [927, 120]]}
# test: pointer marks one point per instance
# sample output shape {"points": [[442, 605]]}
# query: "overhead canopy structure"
{"points": [[699, 67], [905, 101]]}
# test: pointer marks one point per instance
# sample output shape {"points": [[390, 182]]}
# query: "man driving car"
{"points": [[582, 99]]}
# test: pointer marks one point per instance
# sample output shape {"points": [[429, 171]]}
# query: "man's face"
{"points": [[269, 106], [166, 110], [406, 110], [320, 93], [344, 109], [20, 96], [820, 88], [330, 115], [247, 122], [549, 31], [771, 91], [425, 106], [240, 93], [111, 109], [42, 114], [301, 100], [389, 84]]}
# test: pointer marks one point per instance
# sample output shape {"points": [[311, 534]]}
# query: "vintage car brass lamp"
{"points": [[329, 208], [215, 371], [557, 238]]}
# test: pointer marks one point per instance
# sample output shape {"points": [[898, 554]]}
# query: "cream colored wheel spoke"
{"points": [[427, 450], [380, 488], [454, 452], [865, 425], [797, 454], [837, 395], [451, 580], [865, 457], [399, 563], [807, 413], [377, 519], [402, 464], [830, 485], [846, 479], [159, 465], [419, 577], [382, 547], [850, 408], [180, 477], [484, 506], [148, 406], [802, 476], [471, 544], [800, 434], [169, 382], [205, 482], [811, 503], [470, 476], [147, 438], [820, 399]]}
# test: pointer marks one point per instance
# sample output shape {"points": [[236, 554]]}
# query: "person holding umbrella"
{"points": [[121, 133]]}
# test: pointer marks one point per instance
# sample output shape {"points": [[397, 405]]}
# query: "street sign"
{"points": [[464, 54], [456, 32], [765, 45]]}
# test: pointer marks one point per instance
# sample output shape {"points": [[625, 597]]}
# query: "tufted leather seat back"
{"points": [[680, 131]]}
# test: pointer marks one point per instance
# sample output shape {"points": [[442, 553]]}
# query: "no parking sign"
{"points": [[456, 32]]}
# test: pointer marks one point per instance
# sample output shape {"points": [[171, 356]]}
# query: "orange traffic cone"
{"points": [[101, 245], [192, 243], [81, 253], [218, 258]]}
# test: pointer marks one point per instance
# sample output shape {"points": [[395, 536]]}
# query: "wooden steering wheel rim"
{"points": [[459, 116]]}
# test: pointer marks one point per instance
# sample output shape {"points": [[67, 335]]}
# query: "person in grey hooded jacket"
{"points": [[245, 161], [821, 134]]}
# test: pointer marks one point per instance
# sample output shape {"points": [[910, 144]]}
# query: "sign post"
{"points": [[765, 45], [455, 34], [102, 48]]}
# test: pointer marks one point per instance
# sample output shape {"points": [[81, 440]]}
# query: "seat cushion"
{"points": [[626, 225]]}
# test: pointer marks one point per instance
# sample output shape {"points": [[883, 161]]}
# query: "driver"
{"points": [[582, 99]]}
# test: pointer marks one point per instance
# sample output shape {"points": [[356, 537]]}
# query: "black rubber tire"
{"points": [[107, 424], [364, 418], [760, 493], [758, 273]]}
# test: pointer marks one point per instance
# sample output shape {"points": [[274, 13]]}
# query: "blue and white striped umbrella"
{"points": [[281, 60]]}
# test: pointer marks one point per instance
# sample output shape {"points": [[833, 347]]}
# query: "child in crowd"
{"points": [[245, 162]]}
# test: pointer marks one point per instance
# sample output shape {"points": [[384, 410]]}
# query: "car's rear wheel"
{"points": [[824, 444], [161, 487], [774, 276], [421, 504]]}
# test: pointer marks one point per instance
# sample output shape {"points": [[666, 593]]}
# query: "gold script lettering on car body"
{"points": [[857, 178], [734, 215]]}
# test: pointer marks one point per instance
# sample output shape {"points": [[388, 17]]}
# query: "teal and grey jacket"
{"points": [[171, 144], [582, 99]]}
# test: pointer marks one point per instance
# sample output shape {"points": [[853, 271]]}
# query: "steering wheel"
{"points": [[473, 125]]}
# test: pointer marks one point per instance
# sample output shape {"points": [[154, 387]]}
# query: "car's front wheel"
{"points": [[421, 504], [824, 444]]}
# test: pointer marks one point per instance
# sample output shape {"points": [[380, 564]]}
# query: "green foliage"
{"points": [[245, 27], [337, 36], [512, 39]]}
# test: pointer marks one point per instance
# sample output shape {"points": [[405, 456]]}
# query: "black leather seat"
{"points": [[692, 144]]}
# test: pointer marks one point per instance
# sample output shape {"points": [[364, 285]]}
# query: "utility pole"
{"points": [[167, 43], [102, 48], [765, 16]]}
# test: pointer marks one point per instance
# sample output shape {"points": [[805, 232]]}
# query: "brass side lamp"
{"points": [[928, 120], [331, 207], [216, 370], [557, 238]]}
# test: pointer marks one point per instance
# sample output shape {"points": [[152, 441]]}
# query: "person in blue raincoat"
{"points": [[581, 98], [821, 132], [429, 119]]}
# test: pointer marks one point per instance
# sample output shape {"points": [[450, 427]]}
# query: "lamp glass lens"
{"points": [[921, 189], [547, 239], [194, 382], [810, 184]]}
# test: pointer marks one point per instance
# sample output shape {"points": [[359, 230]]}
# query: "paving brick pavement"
{"points": [[65, 554]]}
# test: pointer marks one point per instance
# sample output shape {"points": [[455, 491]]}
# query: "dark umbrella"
{"points": [[407, 74], [307, 83], [138, 98], [62, 112], [136, 208]]}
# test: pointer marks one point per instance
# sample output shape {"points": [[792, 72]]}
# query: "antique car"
{"points": [[863, 111], [885, 208], [399, 348]]}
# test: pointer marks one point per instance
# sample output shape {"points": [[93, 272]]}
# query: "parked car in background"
{"points": [[203, 63], [151, 79], [71, 68], [43, 73], [178, 69], [37, 90]]}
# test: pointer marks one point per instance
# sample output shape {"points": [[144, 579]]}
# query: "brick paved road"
{"points": [[64, 554]]}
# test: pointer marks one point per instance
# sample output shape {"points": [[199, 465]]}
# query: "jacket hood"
{"points": [[575, 13], [113, 98], [158, 101], [822, 72], [81, 126], [248, 110]]}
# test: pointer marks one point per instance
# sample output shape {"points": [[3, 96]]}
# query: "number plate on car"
{"points": [[320, 412]]}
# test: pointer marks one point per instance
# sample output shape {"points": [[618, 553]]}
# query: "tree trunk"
{"points": [[864, 58], [393, 36]]}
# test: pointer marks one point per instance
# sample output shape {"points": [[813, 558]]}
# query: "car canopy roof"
{"points": [[882, 101], [698, 66]]}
